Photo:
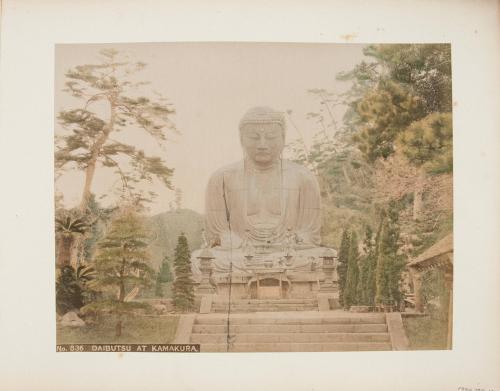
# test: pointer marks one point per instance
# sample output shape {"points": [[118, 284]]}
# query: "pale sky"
{"points": [[211, 86]]}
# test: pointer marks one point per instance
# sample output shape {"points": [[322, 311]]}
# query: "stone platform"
{"points": [[265, 305], [308, 274]]}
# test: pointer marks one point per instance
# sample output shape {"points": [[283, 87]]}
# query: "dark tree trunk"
{"points": [[119, 328], [63, 256]]}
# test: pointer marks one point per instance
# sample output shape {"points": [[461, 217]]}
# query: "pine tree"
{"points": [[183, 287], [110, 99], [121, 264], [351, 286], [342, 266]]}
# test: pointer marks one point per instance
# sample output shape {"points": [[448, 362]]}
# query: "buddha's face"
{"points": [[262, 143]]}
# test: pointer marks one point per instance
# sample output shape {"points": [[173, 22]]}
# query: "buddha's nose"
{"points": [[262, 144]]}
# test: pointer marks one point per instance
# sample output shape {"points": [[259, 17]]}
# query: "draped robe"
{"points": [[227, 206]]}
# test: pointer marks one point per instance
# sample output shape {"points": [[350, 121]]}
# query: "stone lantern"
{"points": [[206, 257], [328, 295]]}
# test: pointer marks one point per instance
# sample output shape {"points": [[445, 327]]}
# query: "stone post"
{"points": [[206, 268], [328, 296]]}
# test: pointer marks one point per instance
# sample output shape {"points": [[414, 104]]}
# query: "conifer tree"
{"points": [[390, 262], [122, 263], [366, 283], [342, 266], [183, 287], [164, 275], [351, 286], [111, 102]]}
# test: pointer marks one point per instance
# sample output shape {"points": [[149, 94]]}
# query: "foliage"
{"points": [[434, 293], [425, 68], [343, 259], [69, 226], [121, 262], [383, 113], [72, 290], [165, 273], [109, 87], [428, 143], [388, 165], [167, 227], [366, 282], [183, 287], [164, 276], [100, 218], [351, 296], [390, 261]]}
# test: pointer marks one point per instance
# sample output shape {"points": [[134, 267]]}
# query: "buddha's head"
{"points": [[262, 135]]}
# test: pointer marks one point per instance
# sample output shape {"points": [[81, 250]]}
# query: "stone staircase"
{"points": [[265, 305], [307, 331]]}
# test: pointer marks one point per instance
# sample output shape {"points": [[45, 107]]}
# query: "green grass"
{"points": [[426, 332], [136, 330]]}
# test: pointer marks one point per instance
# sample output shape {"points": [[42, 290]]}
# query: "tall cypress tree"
{"points": [[366, 283], [342, 266], [183, 287], [390, 262], [164, 275], [351, 286]]}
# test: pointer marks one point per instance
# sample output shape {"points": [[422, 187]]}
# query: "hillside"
{"points": [[167, 226]]}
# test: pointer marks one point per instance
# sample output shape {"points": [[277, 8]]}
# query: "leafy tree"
{"points": [[343, 259], [72, 290], [425, 68], [351, 286], [402, 102], [111, 103], [121, 263], [183, 287]]}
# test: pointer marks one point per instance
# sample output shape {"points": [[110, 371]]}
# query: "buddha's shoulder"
{"points": [[229, 170]]}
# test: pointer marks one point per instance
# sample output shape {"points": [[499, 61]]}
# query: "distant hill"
{"points": [[167, 226]]}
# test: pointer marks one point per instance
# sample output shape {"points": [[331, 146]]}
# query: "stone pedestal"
{"points": [[206, 304], [205, 287], [328, 295]]}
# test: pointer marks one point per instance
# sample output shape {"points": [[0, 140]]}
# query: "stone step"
{"points": [[296, 347], [277, 305], [268, 301], [292, 320], [289, 328], [271, 308], [291, 338]]}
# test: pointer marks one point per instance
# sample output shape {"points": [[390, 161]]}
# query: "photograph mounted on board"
{"points": [[253, 197]]}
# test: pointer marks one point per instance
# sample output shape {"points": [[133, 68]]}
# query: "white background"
{"points": [[27, 326]]}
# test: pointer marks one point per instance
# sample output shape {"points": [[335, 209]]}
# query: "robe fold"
{"points": [[226, 207]]}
